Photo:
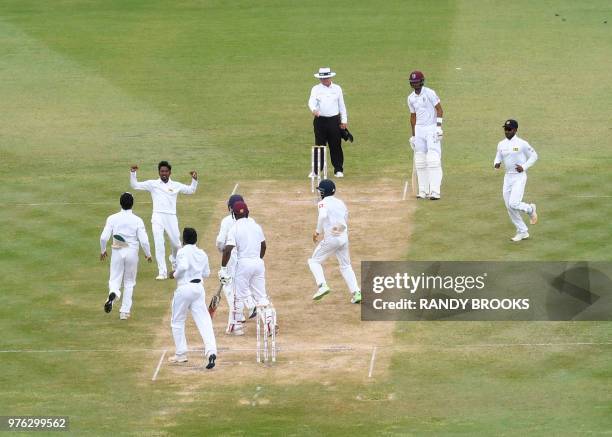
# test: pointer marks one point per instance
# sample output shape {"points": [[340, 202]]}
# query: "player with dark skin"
{"points": [[417, 86], [510, 132], [165, 172]]}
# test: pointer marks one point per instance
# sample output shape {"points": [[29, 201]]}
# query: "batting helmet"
{"points": [[240, 209], [417, 78], [326, 188], [233, 199]]}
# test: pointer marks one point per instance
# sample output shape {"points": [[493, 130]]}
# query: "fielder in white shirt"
{"points": [[127, 230], [426, 141], [517, 156], [326, 103], [191, 269], [164, 192], [250, 276], [333, 223]]}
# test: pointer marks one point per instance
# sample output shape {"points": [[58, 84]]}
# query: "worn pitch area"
{"points": [[326, 337]]}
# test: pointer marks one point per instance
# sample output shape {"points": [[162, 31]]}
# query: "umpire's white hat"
{"points": [[324, 73]]}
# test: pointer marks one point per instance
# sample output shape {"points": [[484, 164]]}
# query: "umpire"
{"points": [[327, 105]]}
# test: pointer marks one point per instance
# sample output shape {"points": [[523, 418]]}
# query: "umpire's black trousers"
{"points": [[327, 131]]}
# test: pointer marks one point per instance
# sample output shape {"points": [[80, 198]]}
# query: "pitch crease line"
{"points": [[372, 362], [161, 360]]}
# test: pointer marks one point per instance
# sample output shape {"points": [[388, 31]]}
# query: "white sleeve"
{"points": [[146, 185], [531, 155], [189, 189], [262, 237], [433, 97], [410, 107], [498, 157], [144, 239], [221, 237], [322, 217], [342, 107], [231, 237], [181, 264], [206, 271], [313, 104], [106, 234]]}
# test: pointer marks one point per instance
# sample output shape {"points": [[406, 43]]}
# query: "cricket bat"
{"points": [[214, 302]]}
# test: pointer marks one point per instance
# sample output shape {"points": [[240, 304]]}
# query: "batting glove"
{"points": [[412, 143], [224, 276], [439, 132]]}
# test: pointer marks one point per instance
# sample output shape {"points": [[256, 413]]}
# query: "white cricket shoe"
{"points": [[534, 215], [161, 277], [321, 292], [124, 316], [176, 359], [422, 195], [339, 174], [520, 236], [312, 175]]}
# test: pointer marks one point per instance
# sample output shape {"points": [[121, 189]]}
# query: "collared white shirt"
{"points": [[328, 100], [515, 151], [246, 235], [424, 106], [333, 217], [163, 194], [191, 263], [226, 224], [130, 227]]}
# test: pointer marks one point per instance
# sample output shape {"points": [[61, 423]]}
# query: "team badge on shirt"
{"points": [[515, 149]]}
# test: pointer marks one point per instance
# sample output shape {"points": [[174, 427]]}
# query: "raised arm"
{"points": [[190, 189], [134, 180]]}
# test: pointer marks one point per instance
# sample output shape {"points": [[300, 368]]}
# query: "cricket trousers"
{"points": [[333, 245], [513, 190], [191, 297], [168, 223], [327, 131], [249, 282], [123, 270], [428, 160]]}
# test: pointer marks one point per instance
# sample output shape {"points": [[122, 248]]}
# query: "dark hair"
{"points": [[190, 236], [126, 201], [163, 164]]}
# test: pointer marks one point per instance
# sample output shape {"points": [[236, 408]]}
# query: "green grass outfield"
{"points": [[89, 87]]}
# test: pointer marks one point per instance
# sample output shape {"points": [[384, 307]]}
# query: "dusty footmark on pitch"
{"points": [[318, 341]]}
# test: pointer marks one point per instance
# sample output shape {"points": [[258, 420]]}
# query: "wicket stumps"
{"points": [[318, 163], [266, 328]]}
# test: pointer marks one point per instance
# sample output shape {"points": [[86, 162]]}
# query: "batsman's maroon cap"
{"points": [[240, 208]]}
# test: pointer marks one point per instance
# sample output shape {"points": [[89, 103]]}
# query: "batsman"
{"points": [[426, 141]]}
